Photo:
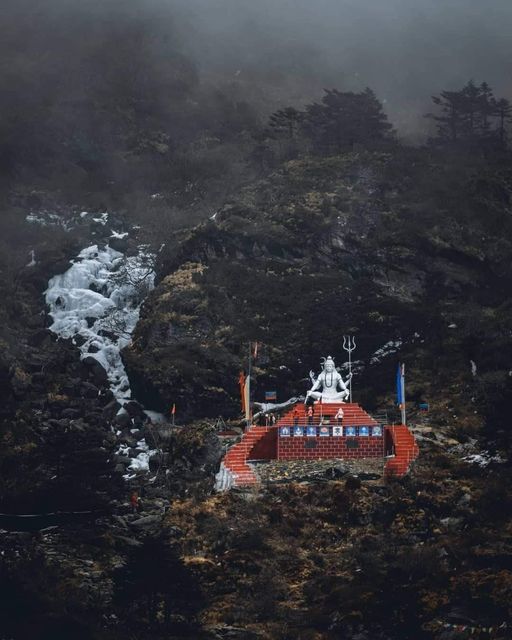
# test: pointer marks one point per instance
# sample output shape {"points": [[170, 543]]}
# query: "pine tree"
{"points": [[285, 123], [450, 123], [488, 106], [503, 111], [472, 103], [344, 119], [468, 115], [374, 120]]}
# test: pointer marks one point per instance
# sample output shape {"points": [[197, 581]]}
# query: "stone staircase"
{"points": [[406, 451], [234, 470]]}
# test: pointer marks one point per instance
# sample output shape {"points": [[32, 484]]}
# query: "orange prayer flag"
{"points": [[241, 382]]}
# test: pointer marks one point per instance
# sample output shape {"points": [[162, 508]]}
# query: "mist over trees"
{"points": [[287, 51], [101, 94], [174, 98], [59, 58], [472, 115]]}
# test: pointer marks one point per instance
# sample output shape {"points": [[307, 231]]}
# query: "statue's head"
{"points": [[329, 364]]}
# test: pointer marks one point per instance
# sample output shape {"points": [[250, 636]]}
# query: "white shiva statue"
{"points": [[329, 386]]}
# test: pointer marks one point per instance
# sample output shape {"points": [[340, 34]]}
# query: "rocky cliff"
{"points": [[406, 249], [393, 247]]}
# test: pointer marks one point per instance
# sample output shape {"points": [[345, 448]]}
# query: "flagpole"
{"points": [[402, 382], [249, 382]]}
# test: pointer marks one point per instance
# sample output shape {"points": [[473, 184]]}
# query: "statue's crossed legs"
{"points": [[340, 396]]}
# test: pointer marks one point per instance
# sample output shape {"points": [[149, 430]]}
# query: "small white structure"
{"points": [[329, 386]]}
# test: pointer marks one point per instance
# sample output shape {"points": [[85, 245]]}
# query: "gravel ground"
{"points": [[318, 470]]}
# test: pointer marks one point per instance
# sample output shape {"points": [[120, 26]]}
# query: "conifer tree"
{"points": [[472, 108], [285, 123], [471, 115], [488, 106], [451, 121], [503, 111], [343, 119]]}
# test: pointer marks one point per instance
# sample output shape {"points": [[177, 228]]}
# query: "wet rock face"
{"points": [[57, 453], [56, 447], [328, 256], [192, 457], [175, 358]]}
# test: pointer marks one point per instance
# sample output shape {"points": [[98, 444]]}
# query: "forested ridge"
{"points": [[275, 214]]}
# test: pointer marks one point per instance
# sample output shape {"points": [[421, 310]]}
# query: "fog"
{"points": [[272, 52], [405, 50]]}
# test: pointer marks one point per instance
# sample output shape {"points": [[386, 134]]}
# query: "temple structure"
{"points": [[323, 426]]}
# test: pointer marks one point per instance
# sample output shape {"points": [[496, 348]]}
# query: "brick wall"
{"points": [[265, 448], [309, 448]]}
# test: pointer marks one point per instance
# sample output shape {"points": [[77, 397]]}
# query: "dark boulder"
{"points": [[110, 410], [88, 390], [96, 372], [72, 387], [134, 409], [119, 244], [71, 413], [108, 334], [335, 472], [123, 420], [147, 523], [40, 338], [352, 483]]}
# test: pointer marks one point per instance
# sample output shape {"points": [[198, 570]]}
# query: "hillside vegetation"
{"points": [[287, 227]]}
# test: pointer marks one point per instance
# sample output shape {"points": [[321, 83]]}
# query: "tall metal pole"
{"points": [[249, 382], [349, 344], [402, 382]]}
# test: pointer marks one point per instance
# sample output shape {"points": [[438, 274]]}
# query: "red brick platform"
{"points": [[317, 447], [362, 437]]}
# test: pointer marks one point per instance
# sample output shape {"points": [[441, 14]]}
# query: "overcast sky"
{"points": [[405, 50], [278, 52]]}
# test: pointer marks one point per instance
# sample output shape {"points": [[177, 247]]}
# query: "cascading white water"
{"points": [[98, 298], [96, 303]]}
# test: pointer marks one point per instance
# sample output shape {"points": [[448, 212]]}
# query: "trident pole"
{"points": [[249, 373], [349, 344]]}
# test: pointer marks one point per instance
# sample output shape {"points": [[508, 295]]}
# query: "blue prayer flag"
{"points": [[399, 388]]}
